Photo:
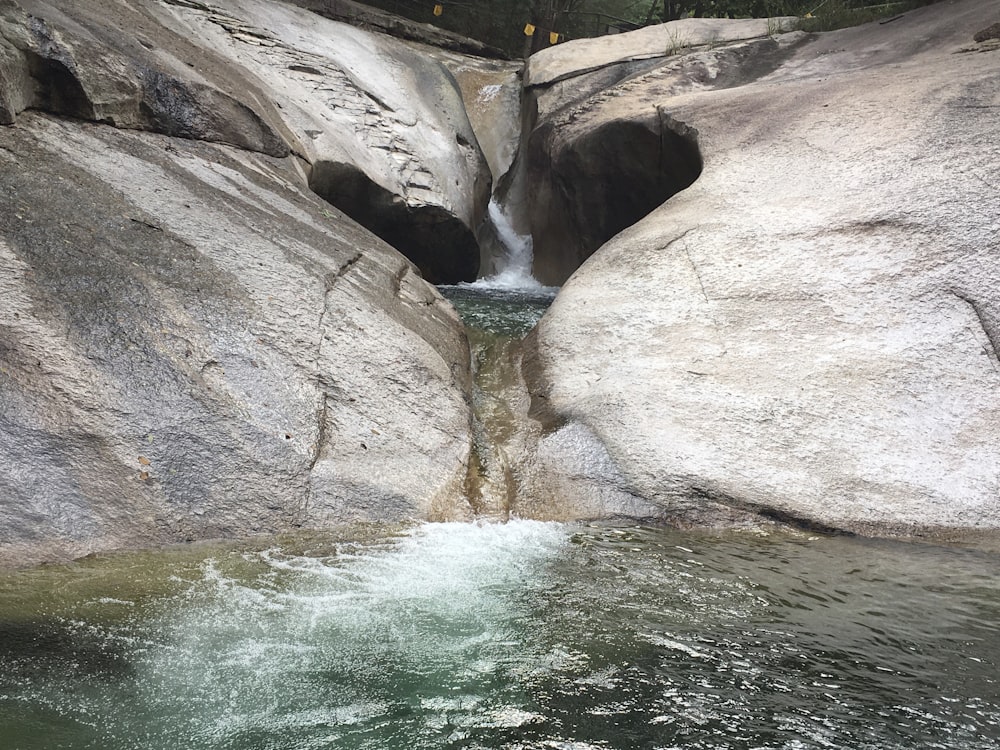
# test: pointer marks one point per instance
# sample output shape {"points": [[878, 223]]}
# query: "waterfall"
{"points": [[513, 268]]}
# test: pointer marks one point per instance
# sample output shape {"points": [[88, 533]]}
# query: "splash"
{"points": [[514, 267], [518, 636], [489, 92]]}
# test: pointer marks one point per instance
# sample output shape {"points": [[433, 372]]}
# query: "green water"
{"points": [[520, 635], [497, 318], [499, 311]]}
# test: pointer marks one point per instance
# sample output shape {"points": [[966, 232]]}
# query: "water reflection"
{"points": [[523, 635]]}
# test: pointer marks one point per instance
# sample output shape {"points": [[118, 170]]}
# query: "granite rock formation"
{"points": [[810, 331], [192, 342]]}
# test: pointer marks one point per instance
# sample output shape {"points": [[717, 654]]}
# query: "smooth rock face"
{"points": [[100, 65], [583, 55], [599, 156], [273, 78], [810, 331], [491, 91], [192, 344], [384, 127]]}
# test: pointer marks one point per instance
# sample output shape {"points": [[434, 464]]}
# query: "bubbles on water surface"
{"points": [[524, 635], [404, 640], [501, 312]]}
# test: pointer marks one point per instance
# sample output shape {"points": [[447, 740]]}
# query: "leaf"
{"points": [[144, 461]]}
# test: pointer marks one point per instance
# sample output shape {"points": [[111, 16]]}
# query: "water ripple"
{"points": [[522, 636]]}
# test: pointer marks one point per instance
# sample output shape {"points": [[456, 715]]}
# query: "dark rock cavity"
{"points": [[439, 244], [592, 184]]}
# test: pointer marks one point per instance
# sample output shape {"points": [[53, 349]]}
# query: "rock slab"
{"points": [[192, 343], [382, 127], [810, 331]]}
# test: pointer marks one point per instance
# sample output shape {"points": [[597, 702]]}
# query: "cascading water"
{"points": [[513, 267], [498, 311]]}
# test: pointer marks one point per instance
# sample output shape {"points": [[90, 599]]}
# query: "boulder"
{"points": [[98, 63], [596, 157], [809, 332], [580, 56], [491, 92], [381, 126], [192, 343]]}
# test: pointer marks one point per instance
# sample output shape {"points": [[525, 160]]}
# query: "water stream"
{"points": [[516, 636], [498, 312], [513, 268]]}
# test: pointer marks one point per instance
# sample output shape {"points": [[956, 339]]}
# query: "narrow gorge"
{"points": [[363, 390], [209, 331]]}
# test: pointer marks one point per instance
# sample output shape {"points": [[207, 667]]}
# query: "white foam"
{"points": [[514, 268], [442, 607], [489, 92]]}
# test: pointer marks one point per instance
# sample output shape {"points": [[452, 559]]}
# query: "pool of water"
{"points": [[518, 635], [499, 311]]}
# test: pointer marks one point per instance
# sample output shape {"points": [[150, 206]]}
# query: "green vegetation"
{"points": [[839, 14], [501, 23]]}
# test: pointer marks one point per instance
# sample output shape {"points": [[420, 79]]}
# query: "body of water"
{"points": [[514, 636], [519, 635]]}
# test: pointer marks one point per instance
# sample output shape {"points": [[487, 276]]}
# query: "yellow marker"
{"points": [[553, 37], [529, 30], [438, 10]]}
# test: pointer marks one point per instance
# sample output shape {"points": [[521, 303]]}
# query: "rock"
{"points": [[491, 92], [990, 32], [384, 126], [810, 331], [192, 343], [598, 157], [366, 112], [193, 346], [373, 19], [584, 185], [90, 66], [570, 60]]}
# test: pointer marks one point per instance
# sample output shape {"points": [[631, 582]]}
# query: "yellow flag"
{"points": [[553, 37], [438, 10], [529, 30]]}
